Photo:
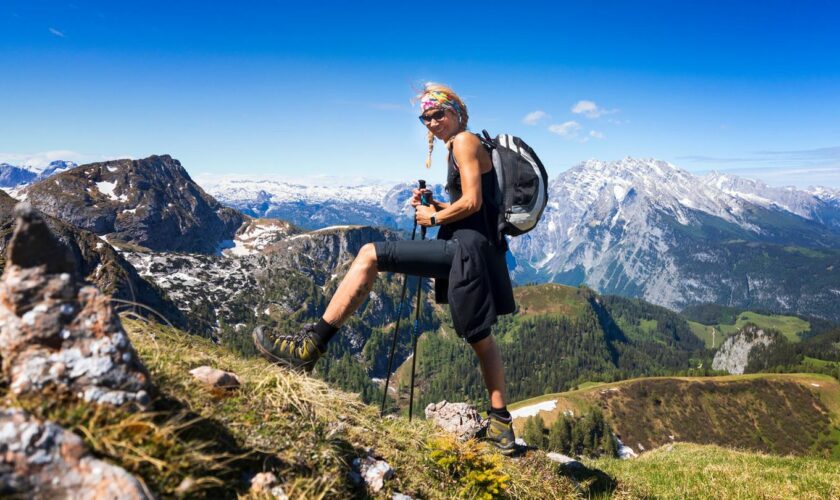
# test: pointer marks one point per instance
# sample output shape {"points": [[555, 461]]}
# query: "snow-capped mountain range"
{"points": [[634, 227], [637, 227], [12, 176]]}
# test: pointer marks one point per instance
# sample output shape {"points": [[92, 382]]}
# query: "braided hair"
{"points": [[441, 96]]}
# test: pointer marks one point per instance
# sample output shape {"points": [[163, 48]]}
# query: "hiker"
{"points": [[467, 261]]}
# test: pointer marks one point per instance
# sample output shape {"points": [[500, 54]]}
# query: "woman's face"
{"points": [[442, 122]]}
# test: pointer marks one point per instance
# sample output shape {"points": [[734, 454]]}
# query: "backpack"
{"points": [[522, 192]]}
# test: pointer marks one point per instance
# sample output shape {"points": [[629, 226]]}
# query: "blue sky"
{"points": [[286, 89]]}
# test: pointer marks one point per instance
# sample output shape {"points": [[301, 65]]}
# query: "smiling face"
{"points": [[442, 122]]}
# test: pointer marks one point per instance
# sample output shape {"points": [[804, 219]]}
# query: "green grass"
{"points": [[693, 471], [819, 363], [789, 326]]}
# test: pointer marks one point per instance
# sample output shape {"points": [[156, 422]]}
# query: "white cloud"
{"points": [[39, 160], [534, 116], [595, 134], [568, 130], [591, 110], [57, 33]]}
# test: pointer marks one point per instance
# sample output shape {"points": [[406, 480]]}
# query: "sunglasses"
{"points": [[435, 115]]}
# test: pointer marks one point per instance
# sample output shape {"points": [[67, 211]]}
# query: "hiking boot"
{"points": [[293, 351], [499, 433]]}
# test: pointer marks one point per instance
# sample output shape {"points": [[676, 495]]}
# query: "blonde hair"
{"points": [[463, 114]]}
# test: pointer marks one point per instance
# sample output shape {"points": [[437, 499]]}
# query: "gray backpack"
{"points": [[522, 183]]}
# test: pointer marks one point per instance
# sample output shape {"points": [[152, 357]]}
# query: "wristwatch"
{"points": [[432, 219]]}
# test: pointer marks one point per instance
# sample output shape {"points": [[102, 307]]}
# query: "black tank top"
{"points": [[480, 221]]}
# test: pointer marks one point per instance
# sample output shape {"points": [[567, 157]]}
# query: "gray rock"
{"points": [[373, 472], [734, 355], [460, 419], [54, 334], [215, 378], [42, 460]]}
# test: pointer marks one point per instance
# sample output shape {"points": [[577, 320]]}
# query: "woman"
{"points": [[467, 261]]}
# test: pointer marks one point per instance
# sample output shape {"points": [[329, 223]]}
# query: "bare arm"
{"points": [[465, 148]]}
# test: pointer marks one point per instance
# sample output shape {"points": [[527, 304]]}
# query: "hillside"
{"points": [[561, 336], [780, 413]]}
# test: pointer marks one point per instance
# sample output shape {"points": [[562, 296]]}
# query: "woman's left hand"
{"points": [[423, 215]]}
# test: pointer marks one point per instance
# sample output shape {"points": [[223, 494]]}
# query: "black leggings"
{"points": [[426, 258]]}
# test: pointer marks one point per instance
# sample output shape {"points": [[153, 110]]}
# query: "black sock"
{"points": [[323, 333], [502, 412]]}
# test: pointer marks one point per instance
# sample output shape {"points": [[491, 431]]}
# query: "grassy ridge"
{"points": [[779, 413], [789, 326]]}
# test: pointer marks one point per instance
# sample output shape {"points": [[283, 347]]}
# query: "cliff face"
{"points": [[151, 203], [734, 355]]}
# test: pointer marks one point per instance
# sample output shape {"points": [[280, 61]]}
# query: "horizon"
{"points": [[276, 89]]}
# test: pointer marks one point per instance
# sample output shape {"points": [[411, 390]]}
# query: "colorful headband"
{"points": [[438, 99]]}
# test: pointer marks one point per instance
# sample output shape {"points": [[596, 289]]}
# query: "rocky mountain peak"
{"points": [[151, 203]]}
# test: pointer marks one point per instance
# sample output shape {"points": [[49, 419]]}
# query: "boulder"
{"points": [[373, 472], [215, 378], [460, 419], [55, 334], [42, 460]]}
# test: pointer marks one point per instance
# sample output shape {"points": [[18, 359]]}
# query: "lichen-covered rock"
{"points": [[373, 472], [42, 460], [56, 335], [460, 419], [215, 378]]}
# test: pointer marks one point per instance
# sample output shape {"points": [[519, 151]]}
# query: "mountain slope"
{"points": [[647, 229], [151, 203]]}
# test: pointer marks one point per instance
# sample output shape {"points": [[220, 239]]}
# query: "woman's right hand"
{"points": [[415, 197]]}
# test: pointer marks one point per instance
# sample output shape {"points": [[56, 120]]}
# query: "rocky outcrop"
{"points": [[42, 460], [734, 355], [151, 202], [460, 419], [55, 335]]}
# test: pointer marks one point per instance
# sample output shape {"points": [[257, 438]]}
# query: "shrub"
{"points": [[478, 474]]}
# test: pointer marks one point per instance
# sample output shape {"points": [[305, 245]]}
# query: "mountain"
{"points": [[150, 203], [634, 227], [15, 176], [327, 203], [645, 228]]}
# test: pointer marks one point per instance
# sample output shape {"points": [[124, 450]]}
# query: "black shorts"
{"points": [[426, 258]]}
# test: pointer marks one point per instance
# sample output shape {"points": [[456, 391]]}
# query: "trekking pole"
{"points": [[425, 201], [397, 326]]}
